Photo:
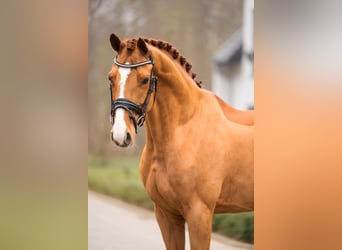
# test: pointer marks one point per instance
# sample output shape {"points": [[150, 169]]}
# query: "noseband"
{"points": [[130, 106]]}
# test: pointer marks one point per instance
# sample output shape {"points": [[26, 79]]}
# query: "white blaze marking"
{"points": [[119, 127]]}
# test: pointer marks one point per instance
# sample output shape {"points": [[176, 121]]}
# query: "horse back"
{"points": [[244, 117]]}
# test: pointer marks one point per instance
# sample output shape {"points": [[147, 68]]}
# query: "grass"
{"points": [[120, 178]]}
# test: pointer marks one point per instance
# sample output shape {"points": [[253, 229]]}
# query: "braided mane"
{"points": [[131, 44]]}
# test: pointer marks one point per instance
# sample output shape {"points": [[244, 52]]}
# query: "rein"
{"points": [[130, 106]]}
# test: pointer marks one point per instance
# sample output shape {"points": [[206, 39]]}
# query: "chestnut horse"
{"points": [[198, 157]]}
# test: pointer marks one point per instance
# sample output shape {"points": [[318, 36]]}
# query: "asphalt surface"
{"points": [[115, 225]]}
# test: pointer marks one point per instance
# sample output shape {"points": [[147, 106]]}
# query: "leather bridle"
{"points": [[130, 106]]}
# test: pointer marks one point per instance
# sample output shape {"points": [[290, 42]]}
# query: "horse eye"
{"points": [[144, 80]]}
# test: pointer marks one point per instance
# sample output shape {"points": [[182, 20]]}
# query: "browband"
{"points": [[135, 65]]}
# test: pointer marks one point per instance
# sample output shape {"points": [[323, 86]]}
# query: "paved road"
{"points": [[115, 225]]}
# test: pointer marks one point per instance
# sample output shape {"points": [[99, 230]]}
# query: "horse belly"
{"points": [[223, 206], [236, 196]]}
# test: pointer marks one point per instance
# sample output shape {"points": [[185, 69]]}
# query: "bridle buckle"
{"points": [[141, 120]]}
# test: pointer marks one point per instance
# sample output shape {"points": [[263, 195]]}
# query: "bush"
{"points": [[239, 226]]}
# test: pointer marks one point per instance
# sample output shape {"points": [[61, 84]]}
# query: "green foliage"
{"points": [[239, 226], [120, 178]]}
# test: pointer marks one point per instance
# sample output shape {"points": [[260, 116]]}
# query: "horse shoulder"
{"points": [[145, 165]]}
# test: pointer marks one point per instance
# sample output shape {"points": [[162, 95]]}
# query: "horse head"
{"points": [[132, 83]]}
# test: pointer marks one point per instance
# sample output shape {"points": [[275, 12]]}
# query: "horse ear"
{"points": [[142, 46], [115, 42]]}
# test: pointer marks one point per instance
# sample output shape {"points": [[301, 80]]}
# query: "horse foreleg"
{"points": [[172, 229], [199, 220]]}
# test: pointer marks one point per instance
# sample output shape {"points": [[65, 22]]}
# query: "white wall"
{"points": [[237, 86]]}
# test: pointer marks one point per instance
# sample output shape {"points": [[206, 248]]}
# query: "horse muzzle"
{"points": [[124, 142], [122, 135]]}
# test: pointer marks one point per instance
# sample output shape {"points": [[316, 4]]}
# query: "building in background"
{"points": [[233, 64]]}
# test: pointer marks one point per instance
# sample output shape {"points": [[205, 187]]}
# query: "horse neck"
{"points": [[177, 100]]}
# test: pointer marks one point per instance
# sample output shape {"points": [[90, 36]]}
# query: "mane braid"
{"points": [[168, 47], [131, 44]]}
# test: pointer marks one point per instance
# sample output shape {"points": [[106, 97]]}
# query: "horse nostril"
{"points": [[128, 138]]}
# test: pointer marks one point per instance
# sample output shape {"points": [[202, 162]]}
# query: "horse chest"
{"points": [[160, 189]]}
